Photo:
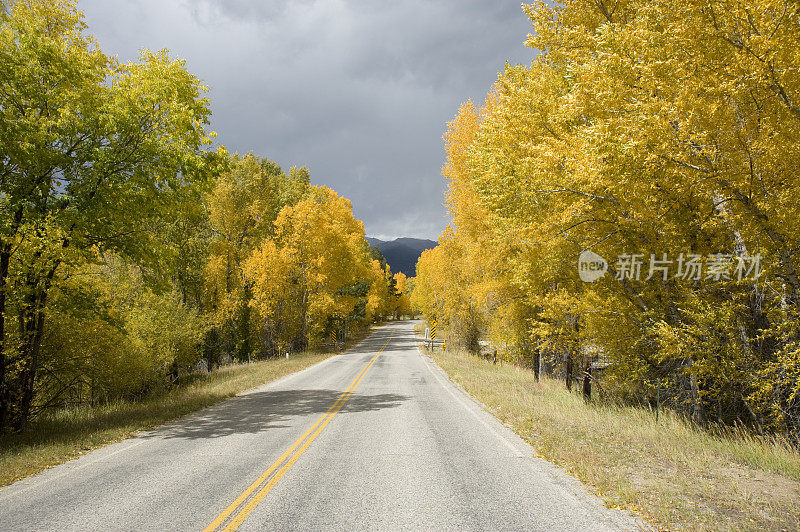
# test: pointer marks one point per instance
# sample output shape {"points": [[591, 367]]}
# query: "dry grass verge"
{"points": [[66, 434], [672, 473]]}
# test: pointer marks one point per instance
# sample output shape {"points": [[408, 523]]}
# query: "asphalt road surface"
{"points": [[373, 439]]}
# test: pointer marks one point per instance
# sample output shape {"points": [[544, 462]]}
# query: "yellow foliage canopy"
{"points": [[313, 265]]}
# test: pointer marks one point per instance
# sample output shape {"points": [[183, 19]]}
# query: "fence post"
{"points": [[658, 397], [568, 371], [587, 379]]}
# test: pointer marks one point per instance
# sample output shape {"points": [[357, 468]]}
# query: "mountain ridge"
{"points": [[402, 253]]}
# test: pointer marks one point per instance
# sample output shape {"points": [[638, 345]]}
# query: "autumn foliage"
{"points": [[129, 251], [642, 127]]}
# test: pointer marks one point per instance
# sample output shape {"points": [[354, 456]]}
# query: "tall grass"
{"points": [[670, 471]]}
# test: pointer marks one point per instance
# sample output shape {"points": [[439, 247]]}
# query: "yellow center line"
{"points": [[251, 505], [319, 425]]}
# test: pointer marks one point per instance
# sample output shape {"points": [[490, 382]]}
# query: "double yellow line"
{"points": [[292, 453]]}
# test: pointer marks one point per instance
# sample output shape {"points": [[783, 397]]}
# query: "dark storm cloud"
{"points": [[358, 91]]}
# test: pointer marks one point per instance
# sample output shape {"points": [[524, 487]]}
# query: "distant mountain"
{"points": [[402, 253]]}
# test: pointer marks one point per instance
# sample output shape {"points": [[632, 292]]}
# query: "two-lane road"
{"points": [[376, 438]]}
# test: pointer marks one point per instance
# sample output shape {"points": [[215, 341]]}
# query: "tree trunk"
{"points": [[5, 259], [244, 326], [536, 362], [31, 322], [32, 325], [305, 332]]}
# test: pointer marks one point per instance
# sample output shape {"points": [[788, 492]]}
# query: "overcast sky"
{"points": [[358, 91]]}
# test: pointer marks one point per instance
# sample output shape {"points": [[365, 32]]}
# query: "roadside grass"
{"points": [[62, 435], [672, 473]]}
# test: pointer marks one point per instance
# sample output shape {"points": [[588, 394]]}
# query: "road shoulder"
{"points": [[511, 439]]}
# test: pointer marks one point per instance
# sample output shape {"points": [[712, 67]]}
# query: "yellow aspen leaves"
{"points": [[646, 132]]}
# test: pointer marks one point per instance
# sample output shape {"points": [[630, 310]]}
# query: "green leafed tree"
{"points": [[93, 152]]}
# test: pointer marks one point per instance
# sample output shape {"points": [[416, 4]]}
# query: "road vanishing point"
{"points": [[376, 438]]}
